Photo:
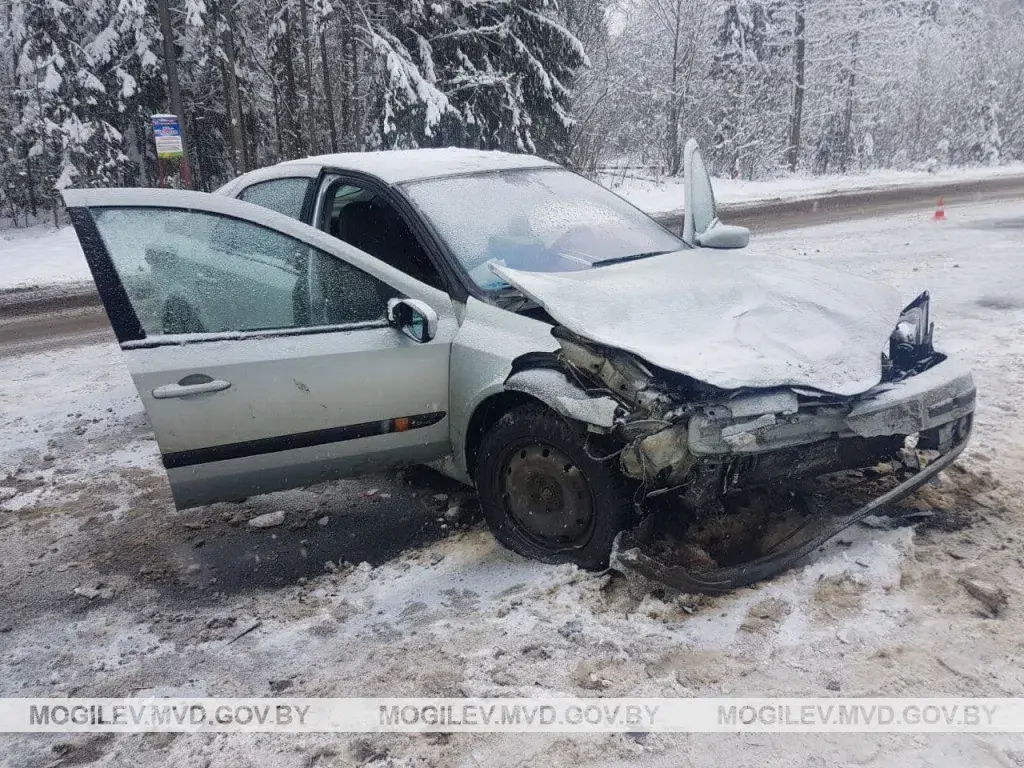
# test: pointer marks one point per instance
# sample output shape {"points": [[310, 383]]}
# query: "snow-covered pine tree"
{"points": [[19, 176], [195, 24], [1010, 76], [989, 143], [492, 74], [750, 64], [84, 69]]}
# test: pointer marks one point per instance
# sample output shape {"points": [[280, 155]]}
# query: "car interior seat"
{"points": [[378, 229]]}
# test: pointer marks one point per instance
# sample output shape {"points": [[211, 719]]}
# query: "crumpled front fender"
{"points": [[554, 389]]}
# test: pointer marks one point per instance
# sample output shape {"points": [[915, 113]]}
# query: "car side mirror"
{"points": [[701, 226], [700, 213], [724, 236], [414, 318]]}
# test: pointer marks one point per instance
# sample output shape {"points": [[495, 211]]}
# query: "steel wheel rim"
{"points": [[546, 495]]}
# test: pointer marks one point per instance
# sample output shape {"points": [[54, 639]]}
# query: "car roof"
{"points": [[401, 165]]}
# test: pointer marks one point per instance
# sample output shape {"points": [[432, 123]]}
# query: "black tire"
{"points": [[543, 496]]}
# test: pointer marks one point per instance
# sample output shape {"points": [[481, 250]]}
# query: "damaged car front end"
{"points": [[707, 376], [580, 365], [698, 445]]}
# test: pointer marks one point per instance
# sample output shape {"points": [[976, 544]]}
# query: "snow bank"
{"points": [[659, 197], [40, 255]]}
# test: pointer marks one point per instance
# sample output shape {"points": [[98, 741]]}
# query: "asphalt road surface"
{"points": [[53, 329]]}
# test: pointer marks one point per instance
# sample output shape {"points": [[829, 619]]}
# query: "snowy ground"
{"points": [[42, 256], [110, 592]]}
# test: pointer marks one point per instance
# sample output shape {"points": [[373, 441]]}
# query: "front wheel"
{"points": [[543, 496]]}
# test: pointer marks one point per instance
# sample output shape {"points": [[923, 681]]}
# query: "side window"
{"points": [[282, 195], [180, 279], [369, 222]]}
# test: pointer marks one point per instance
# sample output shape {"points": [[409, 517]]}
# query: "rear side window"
{"points": [[282, 195]]}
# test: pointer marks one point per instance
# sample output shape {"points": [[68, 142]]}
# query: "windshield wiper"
{"points": [[634, 257]]}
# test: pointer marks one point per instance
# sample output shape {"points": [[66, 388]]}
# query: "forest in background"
{"points": [[768, 87]]}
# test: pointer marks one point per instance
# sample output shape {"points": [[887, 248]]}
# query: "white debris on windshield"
{"points": [[535, 220]]}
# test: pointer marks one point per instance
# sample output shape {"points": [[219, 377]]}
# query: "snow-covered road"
{"points": [[42, 256], [660, 196], [109, 591]]}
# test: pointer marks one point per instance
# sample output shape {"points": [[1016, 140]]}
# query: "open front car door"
{"points": [[264, 350]]}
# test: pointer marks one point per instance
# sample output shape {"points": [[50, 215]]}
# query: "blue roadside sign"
{"points": [[168, 136]]}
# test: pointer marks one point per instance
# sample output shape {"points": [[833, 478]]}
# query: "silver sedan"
{"points": [[512, 323]]}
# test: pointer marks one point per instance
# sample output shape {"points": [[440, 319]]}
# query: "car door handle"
{"points": [[195, 384]]}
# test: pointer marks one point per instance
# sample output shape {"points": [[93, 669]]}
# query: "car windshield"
{"points": [[536, 220]]}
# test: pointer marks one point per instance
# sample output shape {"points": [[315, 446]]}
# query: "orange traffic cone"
{"points": [[940, 212]]}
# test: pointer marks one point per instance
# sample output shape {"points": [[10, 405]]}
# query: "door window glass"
{"points": [[366, 220], [282, 195], [195, 272]]}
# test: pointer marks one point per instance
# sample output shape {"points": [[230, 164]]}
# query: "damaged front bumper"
{"points": [[683, 439], [935, 406], [753, 439], [629, 554], [757, 423]]}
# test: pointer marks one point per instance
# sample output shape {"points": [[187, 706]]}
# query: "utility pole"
{"points": [[171, 69]]}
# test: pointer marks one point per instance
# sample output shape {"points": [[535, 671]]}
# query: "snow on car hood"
{"points": [[728, 319]]}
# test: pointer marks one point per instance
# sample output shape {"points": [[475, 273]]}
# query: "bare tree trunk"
{"points": [[796, 117], [173, 86], [357, 111], [851, 83], [33, 206], [672, 130], [238, 147], [331, 124], [350, 56], [136, 153], [294, 119], [307, 58], [277, 120], [228, 105], [346, 77]]}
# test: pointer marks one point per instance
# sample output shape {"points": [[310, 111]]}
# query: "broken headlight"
{"points": [[911, 342]]}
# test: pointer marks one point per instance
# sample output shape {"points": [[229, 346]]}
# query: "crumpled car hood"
{"points": [[731, 320]]}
